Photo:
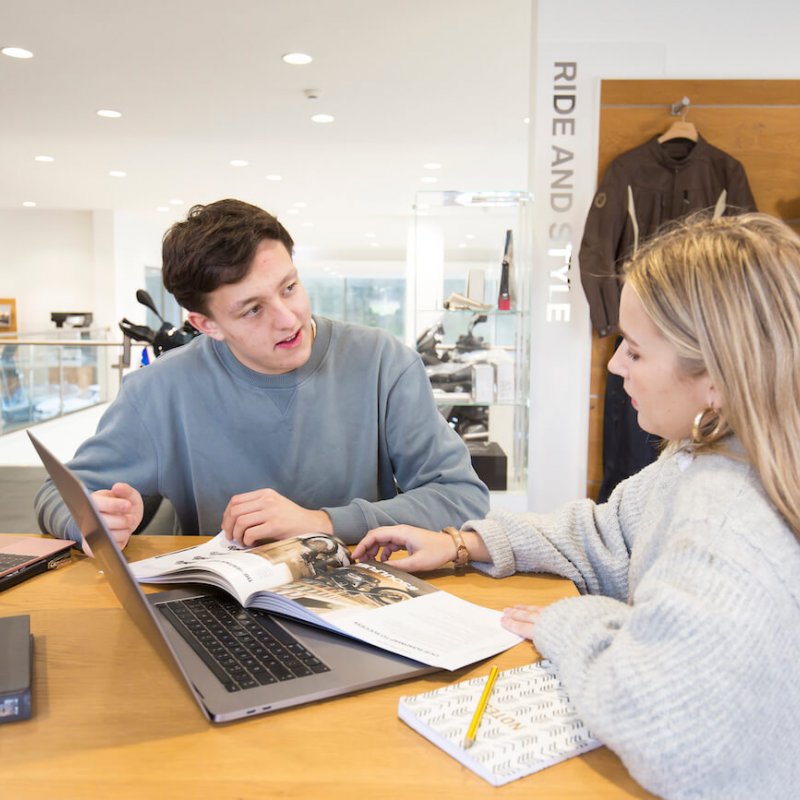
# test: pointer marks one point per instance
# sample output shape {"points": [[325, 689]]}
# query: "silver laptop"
{"points": [[235, 662]]}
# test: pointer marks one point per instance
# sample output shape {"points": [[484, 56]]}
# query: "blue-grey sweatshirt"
{"points": [[355, 431]]}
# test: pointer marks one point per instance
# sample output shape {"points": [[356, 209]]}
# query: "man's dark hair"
{"points": [[214, 246]]}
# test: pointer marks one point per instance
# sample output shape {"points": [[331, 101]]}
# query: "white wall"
{"points": [[614, 39], [77, 261], [46, 259], [708, 39], [137, 245]]}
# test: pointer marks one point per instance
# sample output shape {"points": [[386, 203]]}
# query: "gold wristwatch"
{"points": [[462, 554]]}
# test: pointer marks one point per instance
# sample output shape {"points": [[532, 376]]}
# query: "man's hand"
{"points": [[121, 508], [264, 514]]}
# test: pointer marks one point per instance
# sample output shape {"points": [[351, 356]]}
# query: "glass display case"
{"points": [[470, 306]]}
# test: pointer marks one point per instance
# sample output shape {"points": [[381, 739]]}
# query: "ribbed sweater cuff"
{"points": [[578, 626], [497, 543]]}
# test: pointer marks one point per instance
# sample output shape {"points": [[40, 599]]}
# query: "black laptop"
{"points": [[235, 662]]}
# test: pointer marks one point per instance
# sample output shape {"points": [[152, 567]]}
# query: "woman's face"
{"points": [[666, 398]]}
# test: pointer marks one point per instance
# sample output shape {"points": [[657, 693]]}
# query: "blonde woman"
{"points": [[682, 653]]}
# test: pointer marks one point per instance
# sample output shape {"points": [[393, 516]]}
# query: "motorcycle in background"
{"points": [[167, 337], [450, 371]]}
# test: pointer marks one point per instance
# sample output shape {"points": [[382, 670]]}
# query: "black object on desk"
{"points": [[16, 650], [490, 463]]}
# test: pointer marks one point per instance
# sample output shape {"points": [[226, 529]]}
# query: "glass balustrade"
{"points": [[48, 377]]}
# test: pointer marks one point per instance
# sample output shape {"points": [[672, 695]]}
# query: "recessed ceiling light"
{"points": [[374, 244], [526, 120], [163, 208], [274, 177], [323, 118], [300, 204], [432, 165], [470, 236], [16, 52], [308, 224], [428, 179], [117, 173], [176, 202], [238, 162], [43, 158], [370, 235], [109, 113], [293, 211], [297, 58], [29, 204]]}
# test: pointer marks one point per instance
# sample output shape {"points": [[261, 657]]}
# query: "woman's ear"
{"points": [[205, 325], [714, 398]]}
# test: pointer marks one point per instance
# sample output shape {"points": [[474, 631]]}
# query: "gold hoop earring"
{"points": [[701, 423]]}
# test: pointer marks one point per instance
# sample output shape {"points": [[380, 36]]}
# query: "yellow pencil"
{"points": [[478, 715]]}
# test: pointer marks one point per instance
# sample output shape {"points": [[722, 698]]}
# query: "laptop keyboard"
{"points": [[243, 648], [9, 560]]}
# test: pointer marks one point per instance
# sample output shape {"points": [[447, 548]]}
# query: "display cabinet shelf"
{"points": [[478, 359]]}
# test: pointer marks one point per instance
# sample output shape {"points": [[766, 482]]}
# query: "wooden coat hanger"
{"points": [[680, 129]]}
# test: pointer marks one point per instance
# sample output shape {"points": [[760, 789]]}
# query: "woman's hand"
{"points": [[427, 550], [521, 619]]}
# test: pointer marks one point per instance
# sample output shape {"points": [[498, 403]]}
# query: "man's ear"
{"points": [[205, 325]]}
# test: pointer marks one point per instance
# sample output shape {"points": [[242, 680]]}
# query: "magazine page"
{"points": [[245, 571], [388, 608], [529, 722], [370, 601]]}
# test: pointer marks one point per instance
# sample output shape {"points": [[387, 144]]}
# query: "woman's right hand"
{"points": [[427, 550]]}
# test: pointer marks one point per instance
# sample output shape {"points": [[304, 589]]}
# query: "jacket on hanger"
{"points": [[641, 190]]}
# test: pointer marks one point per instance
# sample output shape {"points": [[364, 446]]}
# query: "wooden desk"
{"points": [[111, 721]]}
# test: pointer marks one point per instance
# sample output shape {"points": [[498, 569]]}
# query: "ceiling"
{"points": [[201, 83]]}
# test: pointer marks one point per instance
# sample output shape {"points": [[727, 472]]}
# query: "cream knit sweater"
{"points": [[683, 653]]}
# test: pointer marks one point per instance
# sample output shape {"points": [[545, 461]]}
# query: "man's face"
{"points": [[265, 318]]}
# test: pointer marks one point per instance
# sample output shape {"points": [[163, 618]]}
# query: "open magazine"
{"points": [[312, 579]]}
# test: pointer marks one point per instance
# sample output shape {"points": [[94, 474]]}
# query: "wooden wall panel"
{"points": [[700, 92], [757, 122]]}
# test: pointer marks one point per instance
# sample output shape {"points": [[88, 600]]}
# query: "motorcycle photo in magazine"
{"points": [[311, 578]]}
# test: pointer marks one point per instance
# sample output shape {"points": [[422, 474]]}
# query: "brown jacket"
{"points": [[641, 190]]}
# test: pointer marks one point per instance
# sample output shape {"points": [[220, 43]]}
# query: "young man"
{"points": [[275, 422]]}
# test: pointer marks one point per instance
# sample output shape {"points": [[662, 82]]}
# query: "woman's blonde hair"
{"points": [[726, 293]]}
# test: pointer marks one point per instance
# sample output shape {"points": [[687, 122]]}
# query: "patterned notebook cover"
{"points": [[529, 722]]}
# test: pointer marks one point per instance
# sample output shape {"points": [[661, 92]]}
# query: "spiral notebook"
{"points": [[529, 722]]}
